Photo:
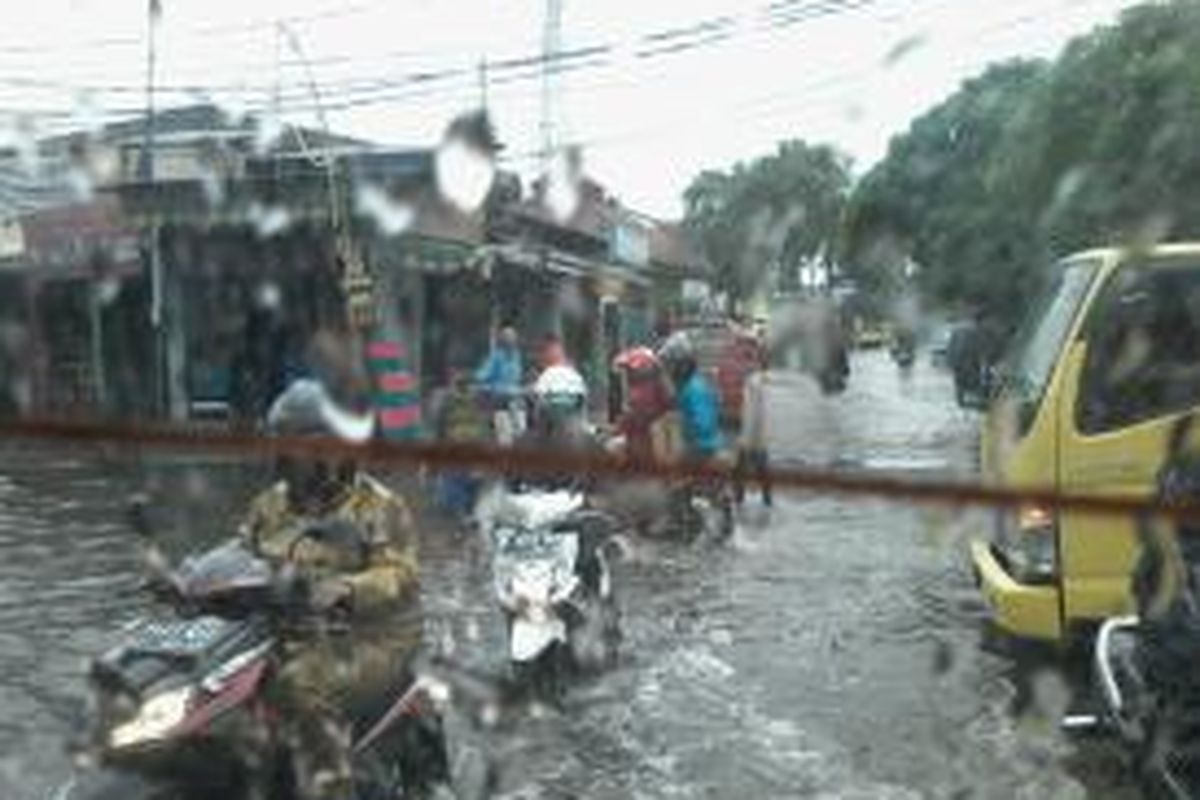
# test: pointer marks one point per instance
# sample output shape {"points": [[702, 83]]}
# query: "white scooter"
{"points": [[552, 577]]}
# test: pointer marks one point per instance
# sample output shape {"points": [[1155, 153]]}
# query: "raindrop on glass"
{"points": [[464, 174], [393, 218], [269, 221]]}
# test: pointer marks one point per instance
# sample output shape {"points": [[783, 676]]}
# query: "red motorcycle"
{"points": [[183, 706]]}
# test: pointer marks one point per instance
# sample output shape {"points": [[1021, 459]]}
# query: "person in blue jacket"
{"points": [[695, 398]]}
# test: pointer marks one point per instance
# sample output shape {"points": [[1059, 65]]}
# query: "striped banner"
{"points": [[397, 395]]}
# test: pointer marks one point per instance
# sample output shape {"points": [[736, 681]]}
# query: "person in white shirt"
{"points": [[752, 444]]}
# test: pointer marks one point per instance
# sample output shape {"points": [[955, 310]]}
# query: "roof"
{"points": [[438, 219], [594, 214]]}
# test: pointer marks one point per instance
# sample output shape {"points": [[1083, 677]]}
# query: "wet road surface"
{"points": [[831, 651]]}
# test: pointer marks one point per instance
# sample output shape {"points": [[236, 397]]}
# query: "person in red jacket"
{"points": [[647, 399]]}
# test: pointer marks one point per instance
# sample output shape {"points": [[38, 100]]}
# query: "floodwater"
{"points": [[832, 650]]}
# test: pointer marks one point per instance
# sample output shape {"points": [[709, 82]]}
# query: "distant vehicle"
{"points": [[903, 348], [870, 336], [1090, 389], [939, 345]]}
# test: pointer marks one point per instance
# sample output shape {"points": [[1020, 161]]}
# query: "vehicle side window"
{"points": [[1143, 356]]}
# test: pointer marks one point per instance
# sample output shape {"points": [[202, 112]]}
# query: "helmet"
{"points": [[677, 350], [559, 399], [636, 359], [306, 409], [560, 387]]}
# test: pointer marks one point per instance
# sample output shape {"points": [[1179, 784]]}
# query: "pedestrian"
{"points": [[836, 359], [551, 352], [458, 419], [973, 348], [500, 382], [257, 369], [752, 454]]}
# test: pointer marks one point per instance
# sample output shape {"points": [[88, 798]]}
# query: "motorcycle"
{"points": [[703, 509], [1144, 663], [182, 706], [1158, 725], [903, 353], [552, 578]]}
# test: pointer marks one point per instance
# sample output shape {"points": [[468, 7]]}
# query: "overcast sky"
{"points": [[670, 88]]}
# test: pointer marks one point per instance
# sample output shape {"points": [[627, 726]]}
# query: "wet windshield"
{"points": [[1038, 344], [854, 345]]}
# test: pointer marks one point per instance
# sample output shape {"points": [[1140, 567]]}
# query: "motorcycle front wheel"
{"points": [[543, 677]]}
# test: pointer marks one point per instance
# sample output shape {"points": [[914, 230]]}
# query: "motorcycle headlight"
{"points": [[1028, 540], [157, 716]]}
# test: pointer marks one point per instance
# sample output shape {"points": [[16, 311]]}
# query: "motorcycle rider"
{"points": [[370, 583], [646, 399], [558, 417], [1166, 576], [695, 398], [699, 413]]}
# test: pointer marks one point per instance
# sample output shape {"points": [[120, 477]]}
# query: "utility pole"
{"points": [[160, 372], [551, 49], [483, 84]]}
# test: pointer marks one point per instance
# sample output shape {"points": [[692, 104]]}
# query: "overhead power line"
{"points": [[705, 33], [778, 101], [264, 25], [517, 70]]}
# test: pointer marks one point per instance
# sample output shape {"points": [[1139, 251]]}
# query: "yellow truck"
{"points": [[1105, 363]]}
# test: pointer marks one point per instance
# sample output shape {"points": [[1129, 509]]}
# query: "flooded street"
{"points": [[831, 651]]}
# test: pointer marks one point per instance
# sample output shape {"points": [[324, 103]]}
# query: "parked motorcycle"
{"points": [[551, 575], [183, 705]]}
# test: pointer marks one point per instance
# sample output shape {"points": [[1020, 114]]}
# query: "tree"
{"points": [[1109, 149], [1031, 161], [768, 217], [934, 199]]}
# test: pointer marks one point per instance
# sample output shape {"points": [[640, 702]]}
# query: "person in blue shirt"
{"points": [[695, 398], [500, 381], [699, 412]]}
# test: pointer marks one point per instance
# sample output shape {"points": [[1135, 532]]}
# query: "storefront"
{"points": [[87, 338]]}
